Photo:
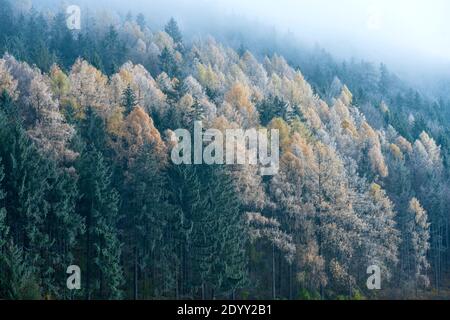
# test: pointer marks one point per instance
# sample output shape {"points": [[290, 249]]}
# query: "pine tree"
{"points": [[194, 113], [146, 214], [212, 255], [63, 226], [291, 114], [92, 130], [140, 20], [17, 280], [168, 63], [99, 207], [174, 32], [7, 104], [129, 100], [26, 184], [270, 108], [231, 236], [113, 51]]}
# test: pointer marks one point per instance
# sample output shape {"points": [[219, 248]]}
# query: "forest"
{"points": [[87, 121]]}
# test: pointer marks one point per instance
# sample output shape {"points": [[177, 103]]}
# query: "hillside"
{"points": [[87, 122]]}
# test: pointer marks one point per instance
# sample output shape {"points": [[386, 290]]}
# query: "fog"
{"points": [[411, 36]]}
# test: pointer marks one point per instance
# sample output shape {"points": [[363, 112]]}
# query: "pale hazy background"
{"points": [[411, 36]]}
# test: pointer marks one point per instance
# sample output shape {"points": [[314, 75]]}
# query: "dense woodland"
{"points": [[86, 129]]}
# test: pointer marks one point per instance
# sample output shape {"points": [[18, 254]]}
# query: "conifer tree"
{"points": [[212, 252], [146, 214], [99, 207], [168, 63], [129, 100], [40, 207], [174, 32], [17, 280], [270, 108], [232, 234]]}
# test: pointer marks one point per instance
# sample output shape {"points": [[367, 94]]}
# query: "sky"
{"points": [[348, 27], [408, 35]]}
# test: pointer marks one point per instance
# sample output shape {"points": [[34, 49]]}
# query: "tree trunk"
{"points": [[273, 273], [135, 295]]}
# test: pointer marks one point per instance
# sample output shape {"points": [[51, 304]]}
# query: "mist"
{"points": [[411, 37]]}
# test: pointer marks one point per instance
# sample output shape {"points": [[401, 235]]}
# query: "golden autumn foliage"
{"points": [[7, 82], [208, 77], [284, 131], [89, 87], [404, 144], [115, 122], [346, 96], [59, 83], [138, 129], [396, 152], [239, 99]]}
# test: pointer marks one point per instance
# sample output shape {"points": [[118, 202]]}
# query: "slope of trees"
{"points": [[86, 177]]}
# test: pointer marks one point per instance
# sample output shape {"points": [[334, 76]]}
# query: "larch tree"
{"points": [[7, 82], [418, 238], [88, 88]]}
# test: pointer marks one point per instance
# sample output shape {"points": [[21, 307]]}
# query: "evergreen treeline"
{"points": [[86, 131]]}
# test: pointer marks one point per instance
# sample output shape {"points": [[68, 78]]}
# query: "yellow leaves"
{"points": [[349, 128], [291, 164], [404, 144], [133, 29], [89, 87], [237, 75], [71, 106], [59, 82], [396, 152], [208, 77], [125, 76], [342, 109], [377, 161], [7, 82], [221, 123], [275, 85], [115, 122], [186, 102], [148, 95], [368, 132], [419, 212], [284, 131], [376, 190], [163, 40], [139, 130], [339, 273], [299, 160], [303, 146], [239, 97], [346, 96], [301, 129]]}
